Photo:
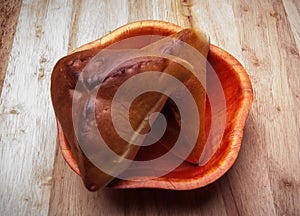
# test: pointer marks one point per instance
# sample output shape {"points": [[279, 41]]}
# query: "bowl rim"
{"points": [[241, 113]]}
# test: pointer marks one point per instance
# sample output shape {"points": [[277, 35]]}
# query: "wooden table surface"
{"points": [[263, 35]]}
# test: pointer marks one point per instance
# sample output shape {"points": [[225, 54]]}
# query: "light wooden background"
{"points": [[263, 35]]}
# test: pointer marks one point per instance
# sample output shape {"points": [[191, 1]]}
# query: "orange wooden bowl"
{"points": [[238, 95]]}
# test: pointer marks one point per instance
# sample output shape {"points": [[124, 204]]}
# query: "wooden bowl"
{"points": [[238, 95]]}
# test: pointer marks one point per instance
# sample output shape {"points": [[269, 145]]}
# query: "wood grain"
{"points": [[262, 35], [28, 132], [222, 29], [224, 33], [172, 11], [292, 9], [9, 13], [273, 126], [79, 201]]}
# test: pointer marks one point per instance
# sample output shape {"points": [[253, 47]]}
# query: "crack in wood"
{"points": [[231, 194], [187, 12]]}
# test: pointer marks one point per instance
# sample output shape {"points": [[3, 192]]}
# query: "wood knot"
{"points": [[186, 9], [278, 108], [38, 31], [287, 183], [41, 73], [245, 8], [294, 52], [43, 60], [13, 111], [256, 63], [275, 15]]}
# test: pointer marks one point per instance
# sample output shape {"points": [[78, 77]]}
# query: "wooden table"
{"points": [[263, 35]]}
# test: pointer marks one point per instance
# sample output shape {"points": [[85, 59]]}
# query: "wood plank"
{"points": [[131, 202], [202, 201], [27, 123], [9, 13], [166, 10], [292, 9], [236, 185], [273, 127], [87, 24], [93, 19], [252, 168], [217, 19], [248, 180]]}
